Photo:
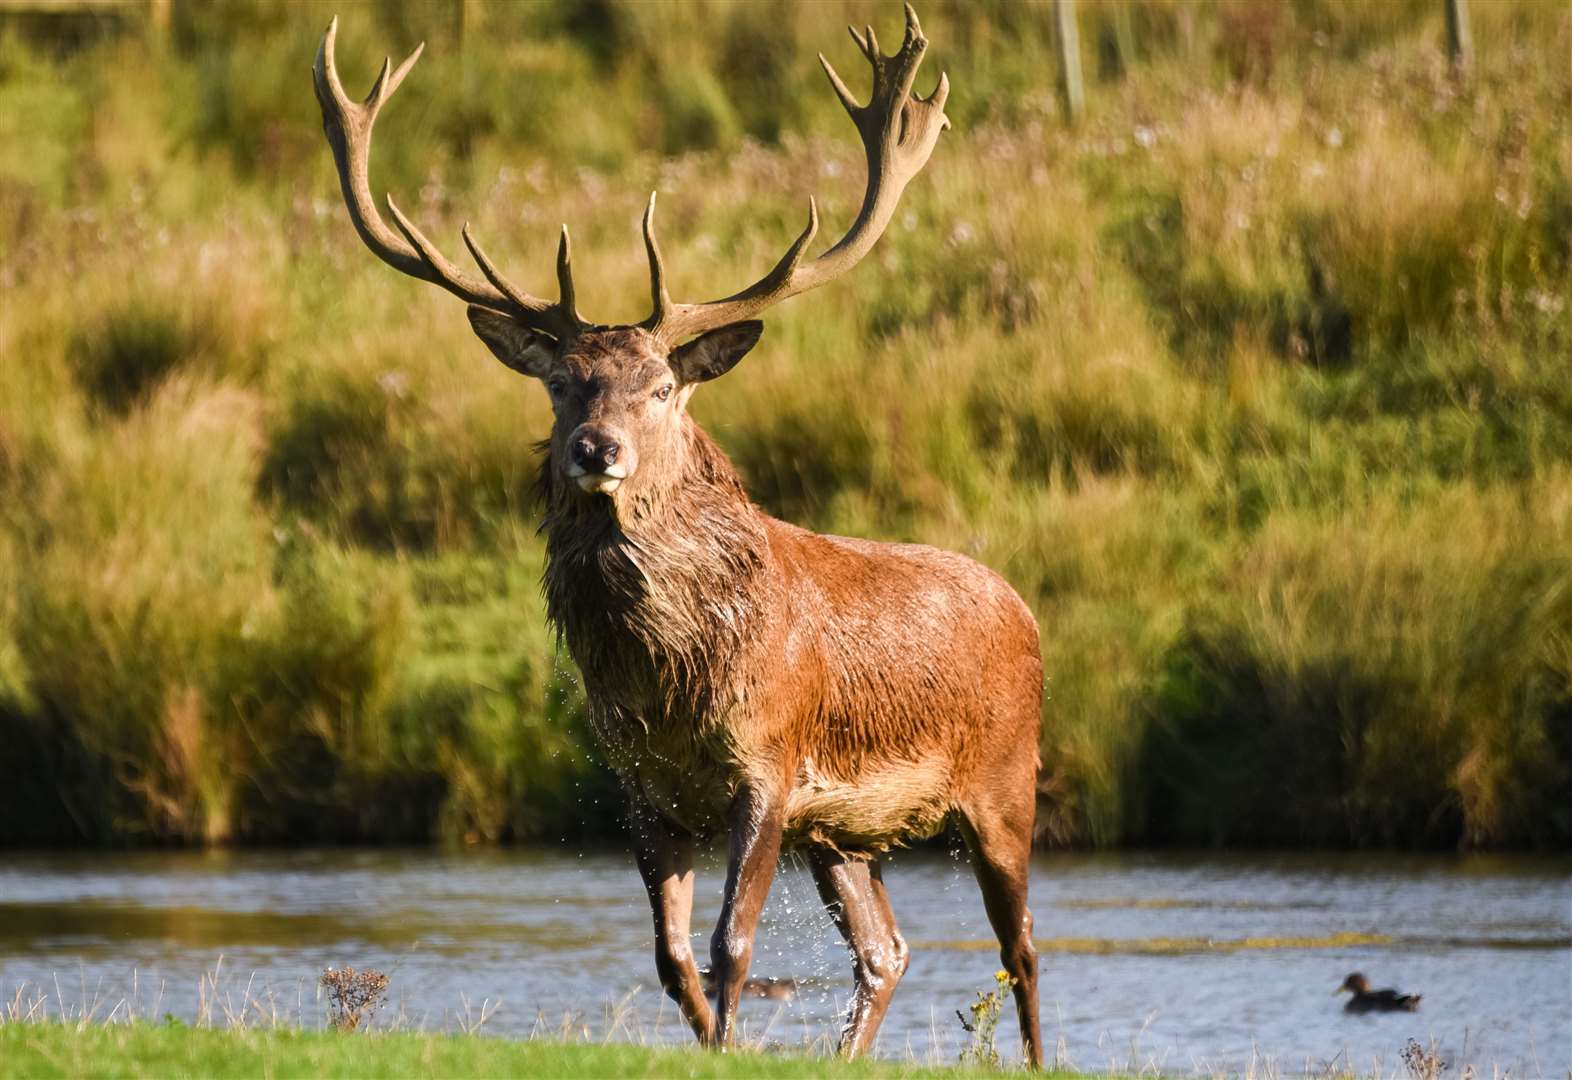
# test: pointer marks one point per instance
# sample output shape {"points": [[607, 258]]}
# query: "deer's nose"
{"points": [[595, 454]]}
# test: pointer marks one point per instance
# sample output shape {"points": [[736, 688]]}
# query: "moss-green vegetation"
{"points": [[39, 1051], [1174, 946], [1255, 384]]}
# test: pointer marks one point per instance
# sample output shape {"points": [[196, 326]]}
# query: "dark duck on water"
{"points": [[1368, 1000], [759, 986]]}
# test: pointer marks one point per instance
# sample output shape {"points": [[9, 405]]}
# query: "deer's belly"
{"points": [[878, 809], [692, 784]]}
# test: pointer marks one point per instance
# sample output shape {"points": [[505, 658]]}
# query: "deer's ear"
{"points": [[715, 353], [526, 351]]}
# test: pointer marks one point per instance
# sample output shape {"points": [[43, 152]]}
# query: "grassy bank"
{"points": [[39, 1051], [1255, 385]]}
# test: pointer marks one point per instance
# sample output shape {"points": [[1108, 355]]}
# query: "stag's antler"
{"points": [[348, 128], [898, 131]]}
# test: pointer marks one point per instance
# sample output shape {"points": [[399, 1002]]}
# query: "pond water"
{"points": [[1183, 963]]}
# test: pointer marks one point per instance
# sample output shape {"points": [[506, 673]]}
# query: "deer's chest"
{"points": [[661, 671], [685, 774]]}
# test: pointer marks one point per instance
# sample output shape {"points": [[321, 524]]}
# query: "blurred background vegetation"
{"points": [[1254, 382]]}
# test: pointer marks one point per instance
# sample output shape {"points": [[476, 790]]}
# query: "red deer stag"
{"points": [[743, 674]]}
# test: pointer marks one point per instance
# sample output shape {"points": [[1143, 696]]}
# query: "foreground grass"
{"points": [[137, 1050]]}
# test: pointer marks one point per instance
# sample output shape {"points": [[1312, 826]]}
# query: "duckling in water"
{"points": [[1368, 1000], [758, 986]]}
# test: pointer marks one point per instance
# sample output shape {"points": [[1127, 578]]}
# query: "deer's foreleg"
{"points": [[665, 858], [756, 819]]}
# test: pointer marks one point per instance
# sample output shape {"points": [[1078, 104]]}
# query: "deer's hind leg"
{"points": [[999, 834], [853, 891]]}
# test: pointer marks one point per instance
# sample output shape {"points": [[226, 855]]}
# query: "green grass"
{"points": [[38, 1051], [1255, 385]]}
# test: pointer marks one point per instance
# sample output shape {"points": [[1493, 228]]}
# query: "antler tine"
{"points": [[520, 300], [348, 125], [659, 297], [913, 27], [566, 300], [899, 131], [770, 288], [840, 88], [388, 79]]}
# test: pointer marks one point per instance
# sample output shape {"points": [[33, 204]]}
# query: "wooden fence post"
{"points": [[1070, 60], [1459, 41], [1124, 38]]}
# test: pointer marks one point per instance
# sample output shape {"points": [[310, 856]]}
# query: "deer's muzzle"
{"points": [[599, 460]]}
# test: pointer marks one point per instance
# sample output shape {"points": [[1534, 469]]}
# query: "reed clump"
{"points": [[1254, 383], [355, 996]]}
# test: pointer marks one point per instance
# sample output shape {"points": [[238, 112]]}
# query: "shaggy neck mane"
{"points": [[645, 588]]}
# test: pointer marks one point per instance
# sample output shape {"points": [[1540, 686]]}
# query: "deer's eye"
{"points": [[663, 393]]}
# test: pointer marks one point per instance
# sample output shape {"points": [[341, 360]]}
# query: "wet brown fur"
{"points": [[884, 679]]}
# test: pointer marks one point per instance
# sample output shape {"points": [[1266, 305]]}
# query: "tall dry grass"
{"points": [[1254, 384]]}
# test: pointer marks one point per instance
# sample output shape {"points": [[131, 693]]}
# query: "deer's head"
{"points": [[619, 392]]}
